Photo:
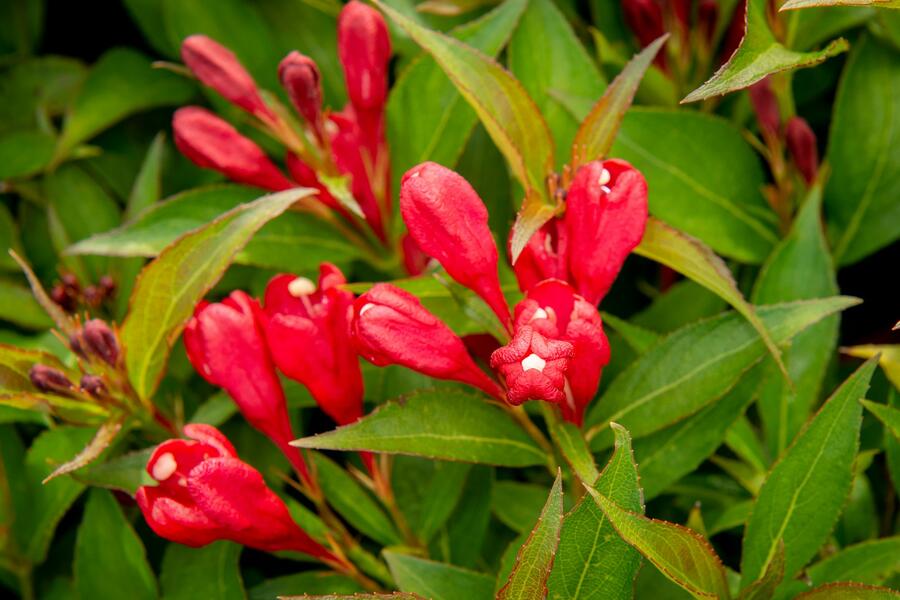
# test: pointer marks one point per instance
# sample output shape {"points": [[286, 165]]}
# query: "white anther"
{"points": [[301, 286], [164, 466], [605, 177], [365, 307], [539, 314], [533, 361]]}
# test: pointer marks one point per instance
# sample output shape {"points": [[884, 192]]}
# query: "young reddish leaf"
{"points": [[795, 4], [759, 55], [680, 554], [169, 287], [806, 490], [850, 591], [598, 130], [693, 259], [528, 580]]}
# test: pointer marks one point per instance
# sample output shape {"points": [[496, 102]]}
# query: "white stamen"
{"points": [[539, 314], [533, 361], [605, 188], [365, 307], [301, 286], [605, 177], [164, 466]]}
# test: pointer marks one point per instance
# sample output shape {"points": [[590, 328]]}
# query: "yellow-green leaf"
{"points": [[889, 361]]}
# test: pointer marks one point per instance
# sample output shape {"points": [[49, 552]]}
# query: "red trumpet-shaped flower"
{"points": [[553, 309], [533, 366], [308, 332], [211, 143], [218, 67], [206, 493], [225, 342], [449, 222], [391, 327]]}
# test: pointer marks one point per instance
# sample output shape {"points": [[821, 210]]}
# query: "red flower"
{"points": [[606, 212], [300, 76], [226, 344], [645, 18], [206, 493], [449, 222], [533, 366], [801, 143], [211, 143], [545, 256], [391, 327], [364, 47], [553, 309], [308, 332], [217, 67]]}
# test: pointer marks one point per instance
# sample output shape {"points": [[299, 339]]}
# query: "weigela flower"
{"points": [[308, 331], [225, 341], [533, 367], [206, 493]]}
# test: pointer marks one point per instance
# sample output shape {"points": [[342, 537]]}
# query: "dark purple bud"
{"points": [[801, 142], [300, 77], [100, 340], [765, 105], [107, 285], [708, 18], [93, 296], [48, 379], [93, 385]]}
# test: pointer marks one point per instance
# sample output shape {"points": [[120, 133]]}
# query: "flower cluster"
{"points": [[343, 155]]}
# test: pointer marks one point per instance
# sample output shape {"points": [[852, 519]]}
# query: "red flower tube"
{"points": [[449, 222], [226, 344], [391, 327], [212, 143], [206, 493], [308, 331], [217, 67]]}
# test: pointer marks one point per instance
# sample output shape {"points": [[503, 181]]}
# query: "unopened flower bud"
{"points": [[48, 379], [364, 48], [61, 295], [735, 34], [801, 143], [708, 18], [108, 286], [644, 18], [100, 341], [218, 67], [93, 296], [211, 143], [93, 385], [765, 105], [301, 78]]}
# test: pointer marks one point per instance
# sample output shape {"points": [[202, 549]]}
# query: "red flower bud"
{"points": [[217, 67], [544, 256], [450, 223], [206, 493], [391, 327], [553, 309], [226, 344], [48, 379], [606, 212], [801, 143], [735, 34], [682, 10], [708, 18], [93, 385], [211, 143], [644, 18], [765, 105], [308, 332], [533, 366], [300, 77], [98, 339], [364, 47]]}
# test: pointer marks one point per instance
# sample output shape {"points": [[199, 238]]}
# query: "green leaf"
{"points": [[208, 572], [528, 579], [294, 242], [444, 424], [639, 338], [517, 505], [168, 288], [888, 415], [467, 528], [871, 562], [671, 453], [110, 561], [849, 591], [353, 503], [703, 178], [799, 268], [696, 365], [593, 562], [889, 358], [427, 118], [24, 153], [760, 55], [126, 472], [17, 305], [548, 59], [694, 260], [120, 84], [509, 114], [442, 495], [805, 491], [569, 439], [391, 596], [103, 438], [764, 587], [308, 582], [862, 218], [795, 4], [679, 553], [438, 581], [147, 188], [599, 129]]}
